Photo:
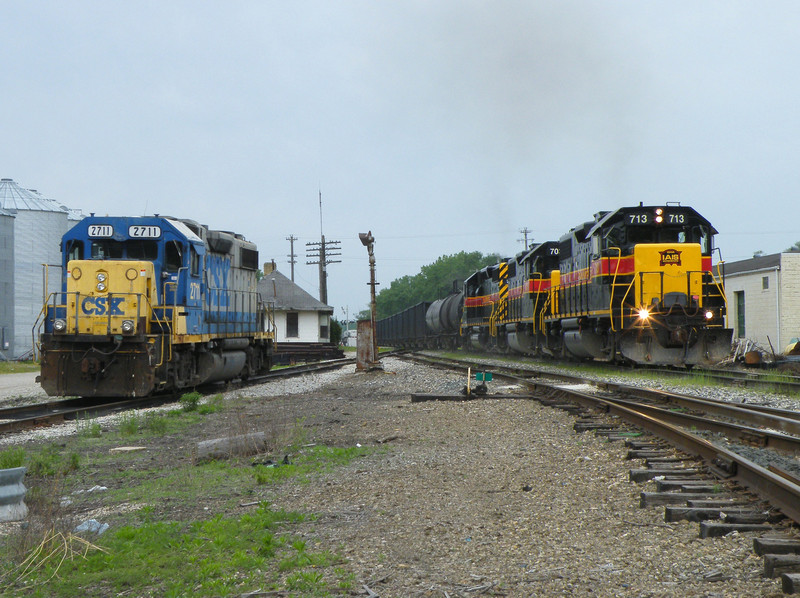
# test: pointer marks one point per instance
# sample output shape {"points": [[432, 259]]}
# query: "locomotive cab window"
{"points": [[194, 262], [173, 256], [107, 250], [142, 250], [74, 250]]}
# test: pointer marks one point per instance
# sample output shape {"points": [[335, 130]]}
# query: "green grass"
{"points": [[216, 557], [18, 367], [169, 546]]}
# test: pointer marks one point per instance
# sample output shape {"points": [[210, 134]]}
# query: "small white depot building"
{"points": [[299, 317]]}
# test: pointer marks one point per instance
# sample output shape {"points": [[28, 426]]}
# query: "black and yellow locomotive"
{"points": [[634, 285]]}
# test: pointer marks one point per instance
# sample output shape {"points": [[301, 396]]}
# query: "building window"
{"points": [[765, 282], [292, 330], [739, 313], [324, 327]]}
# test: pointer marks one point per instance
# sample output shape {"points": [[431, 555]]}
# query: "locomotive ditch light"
{"points": [[128, 326], [709, 314], [60, 325], [644, 314]]}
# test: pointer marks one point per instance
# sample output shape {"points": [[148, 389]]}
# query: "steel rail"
{"points": [[780, 491], [21, 417], [777, 490]]}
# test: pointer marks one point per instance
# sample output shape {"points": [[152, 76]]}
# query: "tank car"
{"points": [[152, 304], [443, 318]]}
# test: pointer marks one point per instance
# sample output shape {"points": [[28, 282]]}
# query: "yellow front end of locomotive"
{"points": [[668, 274], [109, 297]]}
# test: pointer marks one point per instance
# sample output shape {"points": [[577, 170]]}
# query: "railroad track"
{"points": [[722, 449], [23, 417], [767, 381]]}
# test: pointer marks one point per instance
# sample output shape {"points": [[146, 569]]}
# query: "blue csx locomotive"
{"points": [[150, 304]]}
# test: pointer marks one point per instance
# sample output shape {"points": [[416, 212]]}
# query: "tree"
{"points": [[434, 281], [336, 331], [794, 248]]}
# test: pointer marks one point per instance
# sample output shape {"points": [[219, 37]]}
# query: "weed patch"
{"points": [[217, 557], [12, 457]]}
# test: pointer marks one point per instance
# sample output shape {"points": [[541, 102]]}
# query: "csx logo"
{"points": [[101, 306]]}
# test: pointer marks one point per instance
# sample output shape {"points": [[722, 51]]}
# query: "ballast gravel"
{"points": [[494, 497]]}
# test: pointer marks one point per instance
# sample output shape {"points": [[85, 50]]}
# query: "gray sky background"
{"points": [[440, 125]]}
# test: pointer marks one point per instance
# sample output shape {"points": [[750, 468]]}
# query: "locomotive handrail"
{"points": [[720, 284], [536, 303], [613, 286], [42, 317]]}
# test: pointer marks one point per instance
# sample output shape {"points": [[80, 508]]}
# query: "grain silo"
{"points": [[39, 224], [6, 284]]}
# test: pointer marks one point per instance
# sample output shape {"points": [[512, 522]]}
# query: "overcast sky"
{"points": [[441, 126]]}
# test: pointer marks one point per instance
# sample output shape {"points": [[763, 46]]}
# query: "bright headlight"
{"points": [[709, 314], [644, 313]]}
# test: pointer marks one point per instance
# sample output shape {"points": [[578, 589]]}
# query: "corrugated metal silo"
{"points": [[6, 284], [39, 224]]}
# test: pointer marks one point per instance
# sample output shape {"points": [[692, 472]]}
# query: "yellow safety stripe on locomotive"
{"points": [[502, 308]]}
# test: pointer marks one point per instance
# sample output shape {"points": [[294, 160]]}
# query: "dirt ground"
{"points": [[495, 497]]}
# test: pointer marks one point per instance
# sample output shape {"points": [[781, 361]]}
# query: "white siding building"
{"points": [[299, 317], [764, 299], [38, 225]]}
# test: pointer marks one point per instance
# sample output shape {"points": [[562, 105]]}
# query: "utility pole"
{"points": [[292, 254], [319, 254], [525, 232]]}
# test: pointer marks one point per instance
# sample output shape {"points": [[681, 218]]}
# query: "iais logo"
{"points": [[670, 257]]}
